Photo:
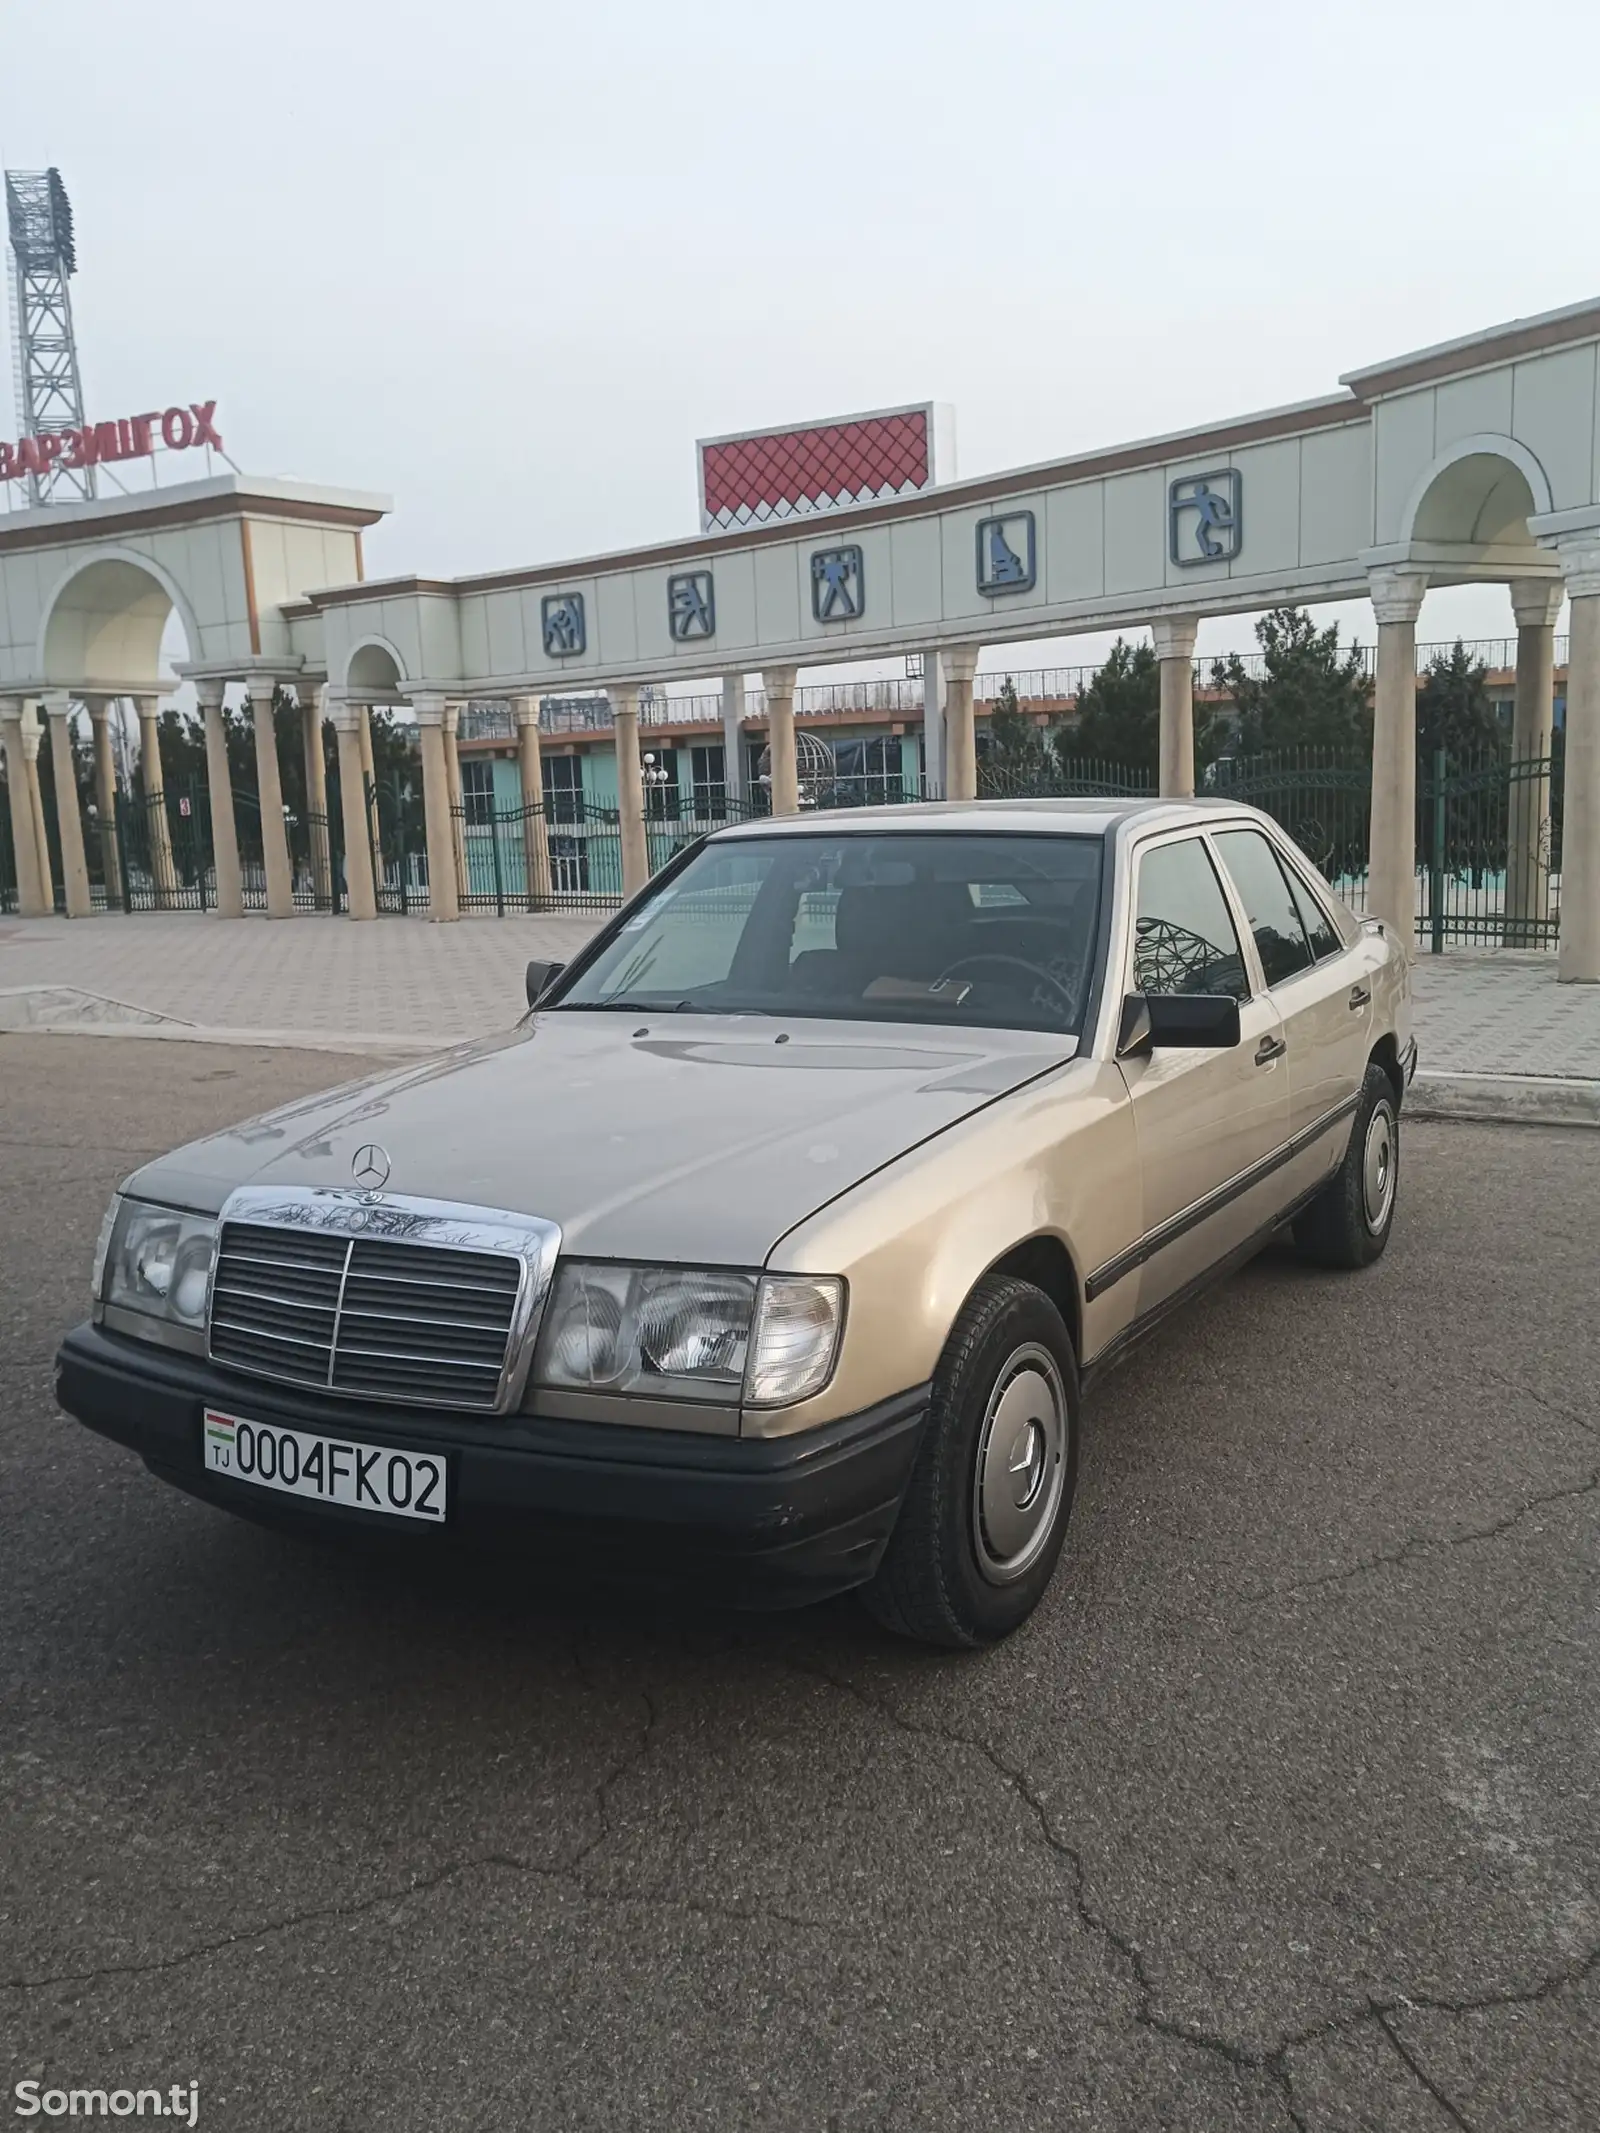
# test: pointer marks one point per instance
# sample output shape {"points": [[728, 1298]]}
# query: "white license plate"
{"points": [[363, 1477]]}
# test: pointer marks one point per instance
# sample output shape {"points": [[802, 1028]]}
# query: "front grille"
{"points": [[364, 1316]]}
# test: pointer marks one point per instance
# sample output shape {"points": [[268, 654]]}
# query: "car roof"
{"points": [[1067, 815]]}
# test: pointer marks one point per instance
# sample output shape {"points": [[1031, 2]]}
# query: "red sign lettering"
{"points": [[130, 437]]}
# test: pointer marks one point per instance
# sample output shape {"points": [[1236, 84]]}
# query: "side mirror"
{"points": [[1177, 1021], [541, 976]]}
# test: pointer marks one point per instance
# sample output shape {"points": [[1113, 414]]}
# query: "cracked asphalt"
{"points": [[1281, 1812]]}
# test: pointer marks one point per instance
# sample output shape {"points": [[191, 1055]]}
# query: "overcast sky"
{"points": [[506, 262]]}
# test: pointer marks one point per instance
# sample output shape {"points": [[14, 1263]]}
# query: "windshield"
{"points": [[995, 931]]}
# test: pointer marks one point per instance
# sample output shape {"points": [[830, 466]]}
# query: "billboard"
{"points": [[762, 476]]}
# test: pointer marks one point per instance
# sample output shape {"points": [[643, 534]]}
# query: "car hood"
{"points": [[684, 1137]]}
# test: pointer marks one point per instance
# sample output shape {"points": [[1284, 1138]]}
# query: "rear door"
{"points": [[1318, 986], [1206, 1121]]}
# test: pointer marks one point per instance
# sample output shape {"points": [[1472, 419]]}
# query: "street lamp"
{"points": [[654, 779]]}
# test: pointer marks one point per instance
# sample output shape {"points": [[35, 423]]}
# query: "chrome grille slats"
{"points": [[441, 1314]]}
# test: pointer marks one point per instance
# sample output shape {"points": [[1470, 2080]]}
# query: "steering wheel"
{"points": [[1013, 962]]}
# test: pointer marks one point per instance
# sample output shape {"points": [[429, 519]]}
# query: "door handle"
{"points": [[1268, 1049], [1360, 996]]}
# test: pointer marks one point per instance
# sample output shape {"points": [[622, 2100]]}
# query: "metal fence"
{"points": [[1488, 839], [1489, 852], [1488, 836], [163, 850], [9, 900], [1070, 777], [1322, 797], [566, 855]]}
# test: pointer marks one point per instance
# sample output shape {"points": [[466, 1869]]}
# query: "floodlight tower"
{"points": [[43, 258]]}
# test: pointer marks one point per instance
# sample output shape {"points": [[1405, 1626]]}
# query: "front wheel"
{"points": [[1348, 1223], [986, 1509]]}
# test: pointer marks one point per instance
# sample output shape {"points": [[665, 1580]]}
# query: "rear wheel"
{"points": [[1348, 1223], [986, 1510]]}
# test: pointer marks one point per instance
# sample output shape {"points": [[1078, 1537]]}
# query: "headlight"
{"points": [[158, 1261], [690, 1333]]}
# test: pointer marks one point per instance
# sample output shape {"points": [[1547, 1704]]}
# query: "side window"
{"points": [[477, 791], [1184, 937], [1280, 938], [1319, 927]]}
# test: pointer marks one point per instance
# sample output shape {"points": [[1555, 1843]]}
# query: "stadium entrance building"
{"points": [[1478, 460]]}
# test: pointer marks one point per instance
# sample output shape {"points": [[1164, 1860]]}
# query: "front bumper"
{"points": [[754, 1521], [1408, 1063]]}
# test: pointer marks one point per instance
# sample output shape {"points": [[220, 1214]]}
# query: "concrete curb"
{"points": [[46, 1006], [299, 1040], [1504, 1099]]}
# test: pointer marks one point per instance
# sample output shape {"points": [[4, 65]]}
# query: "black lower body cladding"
{"points": [[759, 1522]]}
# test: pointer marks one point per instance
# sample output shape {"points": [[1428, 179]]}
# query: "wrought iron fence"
{"points": [[164, 851], [1488, 851], [1488, 835], [1067, 778], [9, 899], [399, 844], [1322, 797], [1488, 838]]}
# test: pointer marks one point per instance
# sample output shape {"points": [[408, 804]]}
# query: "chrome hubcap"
{"points": [[1021, 1467], [1377, 1168]]}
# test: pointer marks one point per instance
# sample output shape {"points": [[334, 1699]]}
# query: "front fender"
{"points": [[1056, 1159]]}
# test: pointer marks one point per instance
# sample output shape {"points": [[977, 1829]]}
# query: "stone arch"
{"points": [[1479, 495], [374, 671], [101, 628]]}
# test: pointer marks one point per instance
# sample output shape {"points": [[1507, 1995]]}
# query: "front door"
{"points": [[1321, 988], [1205, 1121]]}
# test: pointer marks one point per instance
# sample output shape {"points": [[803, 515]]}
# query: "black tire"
{"points": [[1341, 1227], [945, 1577]]}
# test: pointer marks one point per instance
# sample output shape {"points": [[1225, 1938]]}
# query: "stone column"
{"points": [[69, 814], [361, 896], [269, 787], [932, 724], [778, 686], [458, 812], [630, 789], [443, 901], [105, 796], [318, 830], [1535, 602], [733, 764], [219, 786], [33, 897], [960, 733], [158, 830], [1579, 962], [1392, 844], [535, 829], [1174, 636], [32, 736]]}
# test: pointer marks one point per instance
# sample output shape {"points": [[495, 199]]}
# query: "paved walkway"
{"points": [[1489, 1013], [1495, 1011], [401, 979]]}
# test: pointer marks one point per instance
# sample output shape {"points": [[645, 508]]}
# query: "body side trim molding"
{"points": [[1179, 1225], [1122, 1344]]}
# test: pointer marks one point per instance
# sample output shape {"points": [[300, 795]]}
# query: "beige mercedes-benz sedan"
{"points": [[774, 1250]]}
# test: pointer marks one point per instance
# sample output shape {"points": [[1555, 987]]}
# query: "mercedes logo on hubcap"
{"points": [[369, 1166]]}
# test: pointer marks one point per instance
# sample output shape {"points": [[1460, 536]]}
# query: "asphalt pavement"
{"points": [[1280, 1813]]}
